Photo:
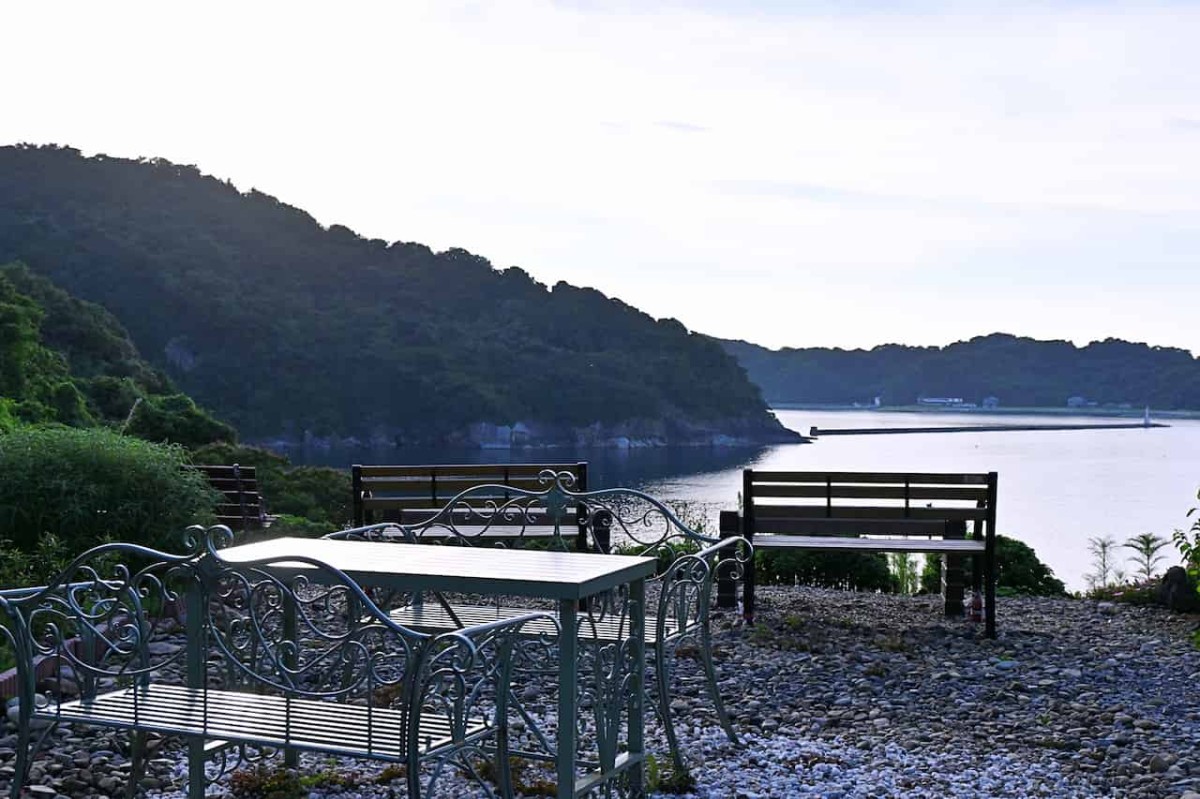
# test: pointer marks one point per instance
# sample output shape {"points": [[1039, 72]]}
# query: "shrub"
{"points": [[1188, 542], [860, 571], [1019, 572], [23, 568], [83, 486], [175, 418]]}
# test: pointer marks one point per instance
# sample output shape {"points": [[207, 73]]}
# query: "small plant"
{"points": [[330, 779], [679, 781], [1102, 549], [266, 783], [390, 773], [1146, 547]]}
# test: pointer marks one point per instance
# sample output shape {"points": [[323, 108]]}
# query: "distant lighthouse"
{"points": [[1146, 417]]}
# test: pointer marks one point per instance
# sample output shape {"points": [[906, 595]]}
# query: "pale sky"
{"points": [[793, 174]]}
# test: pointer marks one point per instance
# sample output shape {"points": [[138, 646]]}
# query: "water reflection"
{"points": [[607, 467]]}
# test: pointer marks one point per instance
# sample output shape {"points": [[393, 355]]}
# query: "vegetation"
{"points": [[1104, 560], [1146, 547], [1188, 542], [859, 571], [68, 361], [249, 304], [1019, 572], [309, 499], [82, 486], [906, 574], [264, 782], [1017, 371]]}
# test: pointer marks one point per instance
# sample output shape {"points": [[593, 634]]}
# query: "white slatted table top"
{"points": [[552, 575]]}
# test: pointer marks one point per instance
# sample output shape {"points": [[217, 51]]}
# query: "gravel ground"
{"points": [[845, 695]]}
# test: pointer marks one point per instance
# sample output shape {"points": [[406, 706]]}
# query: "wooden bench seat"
{"points": [[872, 544], [233, 716], [437, 618]]}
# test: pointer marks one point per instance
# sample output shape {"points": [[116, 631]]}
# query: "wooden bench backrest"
{"points": [[385, 493], [852, 503], [242, 508]]}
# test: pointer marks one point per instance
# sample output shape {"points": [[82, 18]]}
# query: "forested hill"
{"points": [[66, 361], [1016, 371], [288, 329]]}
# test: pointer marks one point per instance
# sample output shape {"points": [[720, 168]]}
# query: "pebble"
{"points": [[842, 695]]}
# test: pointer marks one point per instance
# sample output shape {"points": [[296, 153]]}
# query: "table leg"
{"points": [[568, 652], [197, 655], [637, 717]]}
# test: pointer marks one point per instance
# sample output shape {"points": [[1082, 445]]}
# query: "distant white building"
{"points": [[939, 400]]}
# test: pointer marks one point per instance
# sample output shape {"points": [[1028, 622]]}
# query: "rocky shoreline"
{"points": [[843, 695], [669, 431]]}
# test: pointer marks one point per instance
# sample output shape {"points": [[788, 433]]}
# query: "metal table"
{"points": [[566, 577]]}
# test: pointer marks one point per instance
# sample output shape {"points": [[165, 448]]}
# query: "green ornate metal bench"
{"points": [[272, 662], [557, 514]]}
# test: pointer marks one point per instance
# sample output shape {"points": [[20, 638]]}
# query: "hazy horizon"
{"points": [[792, 175]]}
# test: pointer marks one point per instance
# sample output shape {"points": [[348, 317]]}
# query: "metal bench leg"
{"points": [[662, 679], [137, 766], [714, 690], [503, 687], [27, 745]]}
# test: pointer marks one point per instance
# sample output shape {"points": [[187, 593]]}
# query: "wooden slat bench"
{"points": [[873, 512], [383, 492], [272, 659], [243, 507]]}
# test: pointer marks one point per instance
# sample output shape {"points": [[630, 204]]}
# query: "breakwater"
{"points": [[976, 428]]}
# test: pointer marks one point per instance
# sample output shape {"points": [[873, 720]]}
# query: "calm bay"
{"points": [[1057, 488]]}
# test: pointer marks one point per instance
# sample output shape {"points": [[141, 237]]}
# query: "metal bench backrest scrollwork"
{"points": [[557, 514], [282, 652]]}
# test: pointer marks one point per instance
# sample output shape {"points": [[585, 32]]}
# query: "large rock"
{"points": [[1177, 591]]}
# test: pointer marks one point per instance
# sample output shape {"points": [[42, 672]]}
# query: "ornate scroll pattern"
{"points": [[303, 628], [93, 623], [618, 520]]}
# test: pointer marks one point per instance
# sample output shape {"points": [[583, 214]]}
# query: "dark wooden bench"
{"points": [[243, 507], [412, 494], [874, 512]]}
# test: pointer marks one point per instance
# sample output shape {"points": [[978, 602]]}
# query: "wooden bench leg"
{"points": [[953, 574], [726, 585], [953, 579], [748, 591]]}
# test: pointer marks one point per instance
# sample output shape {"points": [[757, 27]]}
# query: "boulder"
{"points": [[1177, 591]]}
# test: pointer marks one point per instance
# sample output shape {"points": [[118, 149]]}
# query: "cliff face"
{"points": [[288, 329], [630, 434]]}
